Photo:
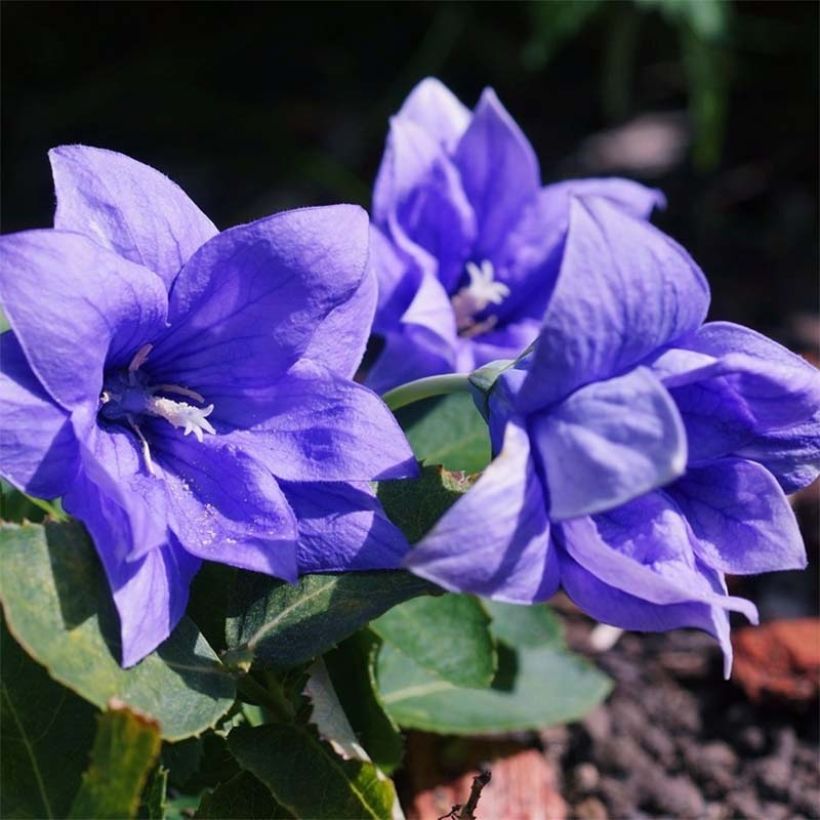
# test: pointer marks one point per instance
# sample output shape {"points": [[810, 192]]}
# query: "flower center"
{"points": [[481, 292], [128, 395]]}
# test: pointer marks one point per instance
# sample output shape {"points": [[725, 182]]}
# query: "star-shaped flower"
{"points": [[467, 243], [188, 393]]}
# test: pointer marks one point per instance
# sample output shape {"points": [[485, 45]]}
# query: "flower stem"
{"points": [[425, 389]]}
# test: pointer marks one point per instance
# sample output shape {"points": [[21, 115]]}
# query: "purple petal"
{"points": [[75, 307], [248, 303], [613, 606], [426, 343], [151, 592], [741, 519], [398, 276], [624, 290], [224, 505], [38, 450], [340, 340], [792, 455], [438, 111], [132, 501], [342, 527], [530, 257], [413, 353], [127, 207], [419, 201], [314, 426], [495, 540], [609, 442], [645, 548], [499, 172]]}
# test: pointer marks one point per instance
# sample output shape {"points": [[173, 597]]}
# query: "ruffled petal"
{"points": [[609, 442], [645, 549], [499, 172], [741, 520], [39, 453], [342, 527], [248, 303], [613, 606], [76, 307], [495, 540], [419, 201], [438, 111], [529, 260], [792, 456], [624, 290], [224, 505], [314, 426], [128, 207]]}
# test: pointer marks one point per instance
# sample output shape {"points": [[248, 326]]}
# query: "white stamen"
{"points": [[191, 419], [482, 291], [140, 357], [146, 450], [182, 391]]}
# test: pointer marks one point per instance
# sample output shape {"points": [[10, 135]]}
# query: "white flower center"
{"points": [[478, 295], [129, 395]]}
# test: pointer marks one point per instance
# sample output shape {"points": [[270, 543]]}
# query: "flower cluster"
{"points": [[189, 394]]}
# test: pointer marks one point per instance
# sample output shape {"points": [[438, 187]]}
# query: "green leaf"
{"points": [[59, 608], [533, 688], [307, 778], [351, 667], [524, 626], [414, 506], [282, 625], [45, 734], [447, 636], [125, 749], [154, 799], [448, 431], [243, 797]]}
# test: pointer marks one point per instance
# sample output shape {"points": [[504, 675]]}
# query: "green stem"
{"points": [[425, 389], [271, 698]]}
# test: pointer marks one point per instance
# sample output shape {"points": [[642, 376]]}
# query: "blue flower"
{"points": [[188, 393], [467, 244], [641, 454]]}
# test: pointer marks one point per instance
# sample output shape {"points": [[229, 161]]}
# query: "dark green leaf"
{"points": [[525, 626], [208, 604], [415, 506], [352, 669], [284, 624], [447, 636], [59, 608], [533, 688], [125, 749], [154, 799], [45, 734], [307, 778], [243, 797], [448, 431]]}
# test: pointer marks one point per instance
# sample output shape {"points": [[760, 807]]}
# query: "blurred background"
{"points": [[255, 107]]}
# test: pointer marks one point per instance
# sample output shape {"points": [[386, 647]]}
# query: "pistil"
{"points": [[477, 296]]}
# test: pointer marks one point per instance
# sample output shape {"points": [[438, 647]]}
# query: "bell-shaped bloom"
{"points": [[467, 243], [641, 455], [188, 393]]}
